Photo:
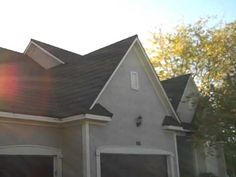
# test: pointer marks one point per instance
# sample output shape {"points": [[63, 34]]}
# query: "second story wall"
{"points": [[127, 104]]}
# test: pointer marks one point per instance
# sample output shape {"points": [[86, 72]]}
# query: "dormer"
{"points": [[183, 95], [42, 56]]}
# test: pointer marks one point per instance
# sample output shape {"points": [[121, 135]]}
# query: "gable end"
{"points": [[42, 56]]}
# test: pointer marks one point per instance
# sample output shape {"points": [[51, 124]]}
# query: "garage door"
{"points": [[124, 165], [26, 166]]}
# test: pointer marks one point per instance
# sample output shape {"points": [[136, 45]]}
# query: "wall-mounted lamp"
{"points": [[139, 121]]}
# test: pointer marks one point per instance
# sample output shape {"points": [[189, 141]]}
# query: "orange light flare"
{"points": [[9, 83]]}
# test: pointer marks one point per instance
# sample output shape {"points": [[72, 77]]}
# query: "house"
{"points": [[102, 114]]}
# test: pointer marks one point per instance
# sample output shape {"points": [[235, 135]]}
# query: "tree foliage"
{"points": [[209, 53]]}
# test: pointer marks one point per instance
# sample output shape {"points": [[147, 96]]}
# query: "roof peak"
{"points": [[131, 38]]}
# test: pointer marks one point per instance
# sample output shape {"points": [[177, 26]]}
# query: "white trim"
{"points": [[112, 75], [29, 150], [36, 150], [72, 118], [29, 117], [134, 150], [175, 128], [93, 117], [98, 117], [26, 49], [45, 51], [86, 149], [131, 150], [176, 154]]}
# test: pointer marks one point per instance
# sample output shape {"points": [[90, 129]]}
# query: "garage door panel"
{"points": [[26, 166], [123, 165]]}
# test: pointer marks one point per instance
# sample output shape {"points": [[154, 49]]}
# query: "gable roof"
{"points": [[175, 87], [64, 90]]}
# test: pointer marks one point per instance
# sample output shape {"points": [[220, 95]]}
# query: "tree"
{"points": [[216, 119], [209, 53]]}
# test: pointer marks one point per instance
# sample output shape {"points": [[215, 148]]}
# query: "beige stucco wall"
{"points": [[67, 138], [29, 134]]}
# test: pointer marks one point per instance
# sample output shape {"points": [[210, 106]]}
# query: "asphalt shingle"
{"points": [[174, 88], [62, 91]]}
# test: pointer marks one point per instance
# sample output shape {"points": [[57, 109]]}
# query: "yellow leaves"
{"points": [[208, 53]]}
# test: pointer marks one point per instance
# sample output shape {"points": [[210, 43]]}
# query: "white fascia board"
{"points": [[27, 48], [45, 51], [29, 150], [158, 82], [91, 117], [112, 75], [29, 117], [175, 128], [53, 119], [97, 117]]}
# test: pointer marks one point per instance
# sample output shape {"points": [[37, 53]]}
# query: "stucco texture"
{"points": [[127, 104], [68, 139]]}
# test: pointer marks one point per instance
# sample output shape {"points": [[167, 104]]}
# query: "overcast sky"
{"points": [[83, 26]]}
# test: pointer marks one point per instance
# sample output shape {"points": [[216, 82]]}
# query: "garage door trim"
{"points": [[36, 150], [135, 150]]}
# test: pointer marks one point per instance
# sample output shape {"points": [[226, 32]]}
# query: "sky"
{"points": [[84, 26]]}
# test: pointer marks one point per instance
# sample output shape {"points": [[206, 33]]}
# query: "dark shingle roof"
{"points": [[62, 54], [98, 109], [24, 85], [169, 120], [174, 88], [62, 91]]}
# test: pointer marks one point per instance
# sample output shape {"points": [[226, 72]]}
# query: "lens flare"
{"points": [[9, 83]]}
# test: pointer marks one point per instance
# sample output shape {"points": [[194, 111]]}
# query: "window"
{"points": [[134, 80]]}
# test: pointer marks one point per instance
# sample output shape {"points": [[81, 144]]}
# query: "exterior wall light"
{"points": [[139, 121]]}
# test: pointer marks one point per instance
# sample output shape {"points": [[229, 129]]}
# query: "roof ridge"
{"points": [[128, 38], [40, 43]]}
